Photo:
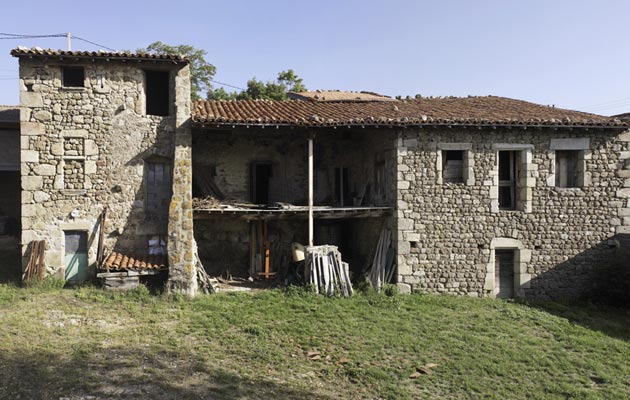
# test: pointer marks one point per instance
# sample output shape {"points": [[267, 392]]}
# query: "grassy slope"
{"points": [[86, 342]]}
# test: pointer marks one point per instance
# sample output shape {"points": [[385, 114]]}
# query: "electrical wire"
{"points": [[95, 44], [228, 85]]}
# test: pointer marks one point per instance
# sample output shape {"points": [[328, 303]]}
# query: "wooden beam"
{"points": [[310, 191]]}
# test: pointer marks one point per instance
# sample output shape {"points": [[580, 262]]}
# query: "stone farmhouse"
{"points": [[480, 196]]}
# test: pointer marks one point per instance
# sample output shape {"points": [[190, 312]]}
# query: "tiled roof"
{"points": [[9, 114], [121, 262], [338, 95], [39, 52], [488, 110]]}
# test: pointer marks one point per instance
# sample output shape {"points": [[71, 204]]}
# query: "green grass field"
{"points": [[85, 342]]}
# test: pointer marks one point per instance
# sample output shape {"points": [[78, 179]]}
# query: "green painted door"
{"points": [[76, 256]]}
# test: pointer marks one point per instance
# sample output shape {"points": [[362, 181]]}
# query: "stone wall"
{"points": [[562, 237], [83, 149], [230, 154], [224, 241]]}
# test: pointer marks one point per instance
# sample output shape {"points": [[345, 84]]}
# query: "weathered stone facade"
{"points": [[84, 148], [448, 232]]}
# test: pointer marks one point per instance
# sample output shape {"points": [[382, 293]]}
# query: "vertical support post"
{"points": [[69, 41], [310, 191]]}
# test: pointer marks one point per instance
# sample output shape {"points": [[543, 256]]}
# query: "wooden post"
{"points": [[310, 191], [69, 41]]}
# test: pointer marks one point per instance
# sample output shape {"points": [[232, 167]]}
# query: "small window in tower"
{"points": [[567, 168], [453, 166], [73, 76], [157, 91]]}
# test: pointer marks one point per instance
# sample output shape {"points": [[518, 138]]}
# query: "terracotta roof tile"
{"points": [[338, 95], [39, 52], [122, 262], [444, 110]]}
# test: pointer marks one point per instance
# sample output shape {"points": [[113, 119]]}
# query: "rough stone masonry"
{"points": [[86, 146]]}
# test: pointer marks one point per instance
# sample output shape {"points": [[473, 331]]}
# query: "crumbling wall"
{"points": [[83, 149], [447, 232]]}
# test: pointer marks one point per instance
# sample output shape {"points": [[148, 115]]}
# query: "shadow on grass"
{"points": [[127, 373], [609, 320]]}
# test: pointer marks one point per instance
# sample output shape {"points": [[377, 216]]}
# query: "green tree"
{"points": [[287, 81], [201, 71]]}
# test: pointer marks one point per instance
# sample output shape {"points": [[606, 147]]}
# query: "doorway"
{"points": [[504, 273], [76, 258]]}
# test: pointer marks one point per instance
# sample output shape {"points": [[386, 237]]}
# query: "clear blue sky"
{"points": [[571, 53]]}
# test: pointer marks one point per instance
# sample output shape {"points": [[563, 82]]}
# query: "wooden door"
{"points": [[504, 274], [76, 259]]}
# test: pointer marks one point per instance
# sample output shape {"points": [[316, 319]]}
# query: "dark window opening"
{"points": [[453, 166], [504, 274], [342, 186], [508, 174], [157, 87], [567, 168], [73, 77], [158, 189], [261, 173]]}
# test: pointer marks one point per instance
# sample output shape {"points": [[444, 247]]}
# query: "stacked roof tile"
{"points": [[491, 110], [39, 52], [121, 262]]}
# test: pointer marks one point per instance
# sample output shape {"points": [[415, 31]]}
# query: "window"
{"points": [[567, 168], [508, 174], [72, 76], [261, 173], [157, 188], [157, 92], [453, 166]]}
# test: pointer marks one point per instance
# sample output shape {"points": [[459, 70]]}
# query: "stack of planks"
{"points": [[35, 267], [383, 266], [263, 262], [325, 271]]}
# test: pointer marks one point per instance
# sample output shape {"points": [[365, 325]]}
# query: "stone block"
{"points": [[32, 129], [80, 133], [410, 142], [404, 288], [570, 144], [90, 167], [622, 230], [624, 137], [45, 169], [31, 99], [406, 224], [403, 185], [91, 148], [42, 115], [32, 182], [411, 236], [623, 193], [30, 156], [403, 248], [56, 149], [40, 196]]}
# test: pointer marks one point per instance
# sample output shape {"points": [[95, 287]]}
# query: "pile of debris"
{"points": [[326, 272]]}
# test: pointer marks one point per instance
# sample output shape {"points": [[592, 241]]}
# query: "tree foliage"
{"points": [[201, 71], [287, 81]]}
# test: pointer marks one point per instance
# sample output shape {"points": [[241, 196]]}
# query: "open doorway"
{"points": [[261, 173]]}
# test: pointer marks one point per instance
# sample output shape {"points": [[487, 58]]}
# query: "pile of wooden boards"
{"points": [[35, 267], [326, 272], [266, 256], [383, 265]]}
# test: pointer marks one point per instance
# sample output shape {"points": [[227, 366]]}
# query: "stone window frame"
{"points": [[583, 147], [522, 260], [468, 165], [526, 180]]}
